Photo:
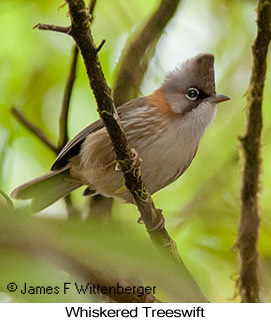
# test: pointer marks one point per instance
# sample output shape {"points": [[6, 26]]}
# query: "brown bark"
{"points": [[251, 150]]}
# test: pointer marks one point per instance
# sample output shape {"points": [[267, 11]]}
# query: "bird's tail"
{"points": [[46, 189]]}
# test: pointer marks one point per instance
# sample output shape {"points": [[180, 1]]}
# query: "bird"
{"points": [[163, 128]]}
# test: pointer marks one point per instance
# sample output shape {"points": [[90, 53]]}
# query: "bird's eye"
{"points": [[192, 94]]}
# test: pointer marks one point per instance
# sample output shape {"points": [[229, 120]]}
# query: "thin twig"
{"points": [[63, 118], [65, 30], [251, 150], [92, 6], [132, 65], [35, 130], [7, 199], [99, 47]]}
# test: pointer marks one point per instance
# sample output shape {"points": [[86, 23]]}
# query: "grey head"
{"points": [[191, 84]]}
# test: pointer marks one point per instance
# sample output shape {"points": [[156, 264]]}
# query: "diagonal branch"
{"points": [[43, 138], [251, 150], [152, 217], [63, 118], [92, 5], [35, 130], [134, 62]]}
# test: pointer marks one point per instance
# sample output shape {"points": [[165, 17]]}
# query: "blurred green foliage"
{"points": [[202, 208]]}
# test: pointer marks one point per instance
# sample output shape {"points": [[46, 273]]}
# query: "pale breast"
{"points": [[167, 157]]}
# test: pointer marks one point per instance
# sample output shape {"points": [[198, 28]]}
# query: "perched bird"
{"points": [[164, 128]]}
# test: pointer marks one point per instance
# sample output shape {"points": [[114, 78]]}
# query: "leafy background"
{"points": [[202, 208]]}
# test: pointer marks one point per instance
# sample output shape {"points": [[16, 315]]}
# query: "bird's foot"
{"points": [[136, 160]]}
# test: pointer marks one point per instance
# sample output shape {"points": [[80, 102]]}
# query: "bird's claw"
{"points": [[136, 160], [117, 167]]}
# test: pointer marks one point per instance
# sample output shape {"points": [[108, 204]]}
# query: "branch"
{"points": [[133, 67], [100, 46], [152, 218], [251, 149], [35, 130], [63, 118], [43, 138], [65, 30], [7, 199], [92, 7]]}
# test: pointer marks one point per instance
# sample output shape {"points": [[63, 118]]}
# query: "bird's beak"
{"points": [[217, 98]]}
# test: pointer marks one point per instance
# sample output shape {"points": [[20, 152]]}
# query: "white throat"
{"points": [[196, 121]]}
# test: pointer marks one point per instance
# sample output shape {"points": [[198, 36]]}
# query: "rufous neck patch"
{"points": [[157, 99]]}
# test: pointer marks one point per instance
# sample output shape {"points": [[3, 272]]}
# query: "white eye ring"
{"points": [[192, 94]]}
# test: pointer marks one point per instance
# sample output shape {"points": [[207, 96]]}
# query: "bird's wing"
{"points": [[73, 147]]}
